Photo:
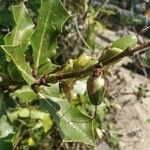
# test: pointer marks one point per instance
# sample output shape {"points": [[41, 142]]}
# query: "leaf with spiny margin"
{"points": [[63, 114], [16, 53], [51, 19], [23, 29]]}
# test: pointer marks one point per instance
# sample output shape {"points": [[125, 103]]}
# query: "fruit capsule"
{"points": [[96, 86]]}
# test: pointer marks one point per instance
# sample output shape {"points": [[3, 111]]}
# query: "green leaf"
{"points": [[23, 29], [82, 62], [5, 127], [2, 106], [16, 53], [14, 73], [6, 18], [32, 114], [44, 117], [17, 41], [71, 121], [51, 19], [47, 67], [127, 41], [25, 94], [5, 143]]}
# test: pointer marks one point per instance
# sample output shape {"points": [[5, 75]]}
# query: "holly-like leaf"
{"points": [[23, 29], [5, 127], [17, 41], [72, 123], [51, 18], [16, 53]]}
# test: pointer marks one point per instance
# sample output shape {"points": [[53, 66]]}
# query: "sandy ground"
{"points": [[133, 118]]}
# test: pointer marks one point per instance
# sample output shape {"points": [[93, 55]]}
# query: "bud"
{"points": [[96, 86]]}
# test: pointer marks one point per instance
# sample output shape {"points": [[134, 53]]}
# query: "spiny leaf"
{"points": [[16, 41], [23, 29], [16, 53], [63, 114], [52, 17]]}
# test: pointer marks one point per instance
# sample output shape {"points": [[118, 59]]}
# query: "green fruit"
{"points": [[96, 89]]}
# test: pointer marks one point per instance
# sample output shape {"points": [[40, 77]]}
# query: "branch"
{"points": [[54, 78]]}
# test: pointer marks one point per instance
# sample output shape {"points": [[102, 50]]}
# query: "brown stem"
{"points": [[54, 78]]}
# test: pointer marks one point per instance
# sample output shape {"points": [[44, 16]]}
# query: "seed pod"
{"points": [[96, 86]]}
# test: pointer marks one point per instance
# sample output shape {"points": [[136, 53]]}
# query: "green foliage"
{"points": [[26, 62], [33, 114], [69, 122], [5, 127], [51, 18], [25, 94], [127, 41], [118, 46], [5, 18], [17, 41], [17, 55]]}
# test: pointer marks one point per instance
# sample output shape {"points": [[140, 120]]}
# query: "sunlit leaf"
{"points": [[5, 127], [25, 94], [16, 53], [23, 29], [72, 123], [33, 114], [127, 41], [16, 41], [51, 18]]}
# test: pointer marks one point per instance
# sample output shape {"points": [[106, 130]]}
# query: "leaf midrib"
{"points": [[42, 39], [61, 115]]}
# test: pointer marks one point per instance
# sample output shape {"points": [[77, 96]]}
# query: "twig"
{"points": [[54, 78], [144, 30], [104, 2], [80, 35]]}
